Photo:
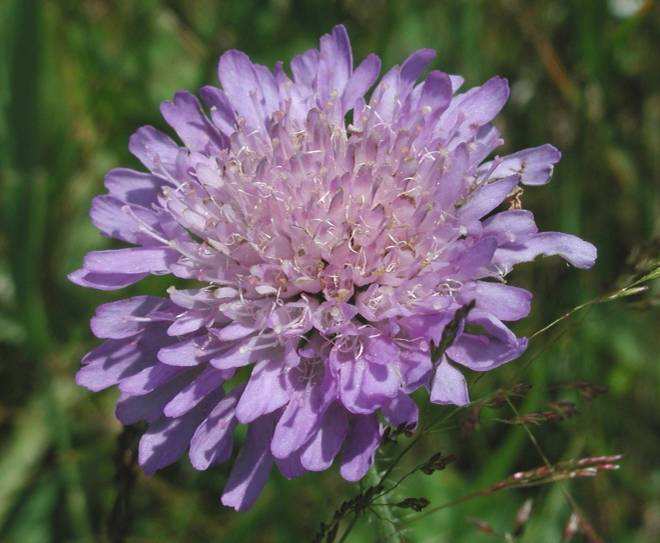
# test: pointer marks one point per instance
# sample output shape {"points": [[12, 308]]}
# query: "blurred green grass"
{"points": [[76, 78]]}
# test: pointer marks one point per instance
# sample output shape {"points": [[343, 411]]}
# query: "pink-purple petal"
{"points": [[126, 318], [192, 394], [401, 410], [154, 149], [252, 467], [184, 114], [319, 453], [264, 393], [534, 165], [112, 361], [303, 413], [505, 302], [449, 385], [131, 261], [167, 439], [484, 351], [578, 252], [360, 447], [212, 441], [133, 187], [104, 281], [361, 81]]}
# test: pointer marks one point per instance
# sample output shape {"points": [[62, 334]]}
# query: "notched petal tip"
{"points": [[588, 256], [415, 64], [449, 385]]}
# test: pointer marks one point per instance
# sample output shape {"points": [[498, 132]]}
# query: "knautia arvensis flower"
{"points": [[327, 240]]}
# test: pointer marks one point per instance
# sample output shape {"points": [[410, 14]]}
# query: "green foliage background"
{"points": [[77, 77]]}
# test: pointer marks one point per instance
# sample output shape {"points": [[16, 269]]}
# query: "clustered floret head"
{"points": [[328, 240]]}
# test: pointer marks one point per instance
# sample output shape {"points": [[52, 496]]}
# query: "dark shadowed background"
{"points": [[77, 77]]}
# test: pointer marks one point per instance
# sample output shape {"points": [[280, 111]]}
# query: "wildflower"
{"points": [[324, 260]]}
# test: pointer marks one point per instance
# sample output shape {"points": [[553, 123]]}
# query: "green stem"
{"points": [[385, 520], [349, 529]]}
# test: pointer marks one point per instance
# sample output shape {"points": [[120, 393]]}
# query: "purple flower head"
{"points": [[324, 258]]}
